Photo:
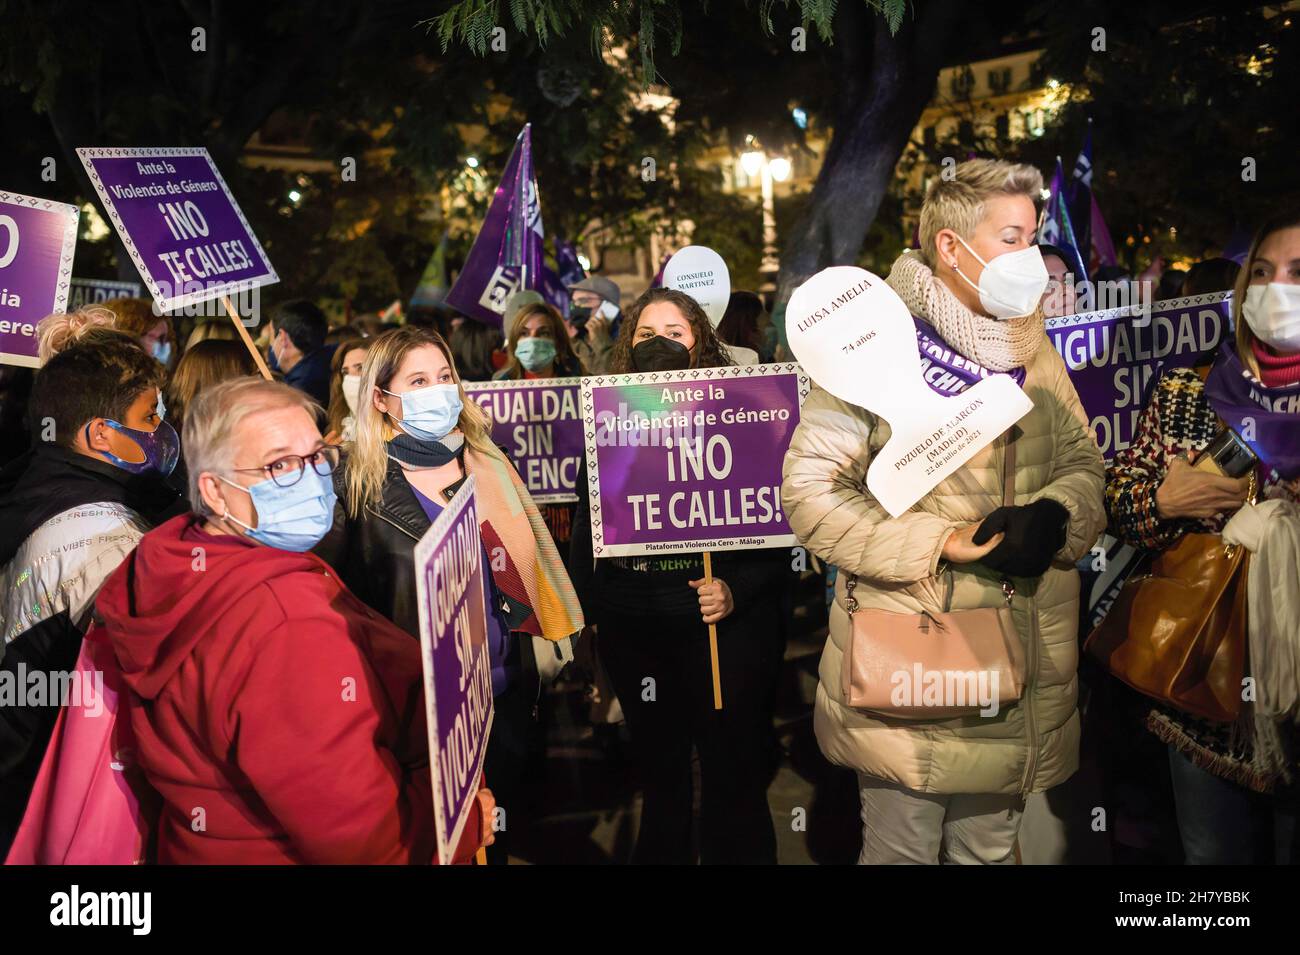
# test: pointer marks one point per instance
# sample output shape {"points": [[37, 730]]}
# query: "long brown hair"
{"points": [[566, 362], [338, 409], [1246, 337], [205, 364], [367, 465], [708, 351]]}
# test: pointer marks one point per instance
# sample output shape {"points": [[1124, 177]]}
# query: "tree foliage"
{"points": [[472, 22]]}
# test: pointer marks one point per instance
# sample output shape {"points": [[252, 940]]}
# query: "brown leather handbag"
{"points": [[1177, 630], [935, 665]]}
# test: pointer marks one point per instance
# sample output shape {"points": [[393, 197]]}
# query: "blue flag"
{"points": [[567, 264], [1081, 199], [1058, 230]]}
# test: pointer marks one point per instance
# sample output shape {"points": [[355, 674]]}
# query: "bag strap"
{"points": [[1009, 497], [1008, 500], [1009, 471]]}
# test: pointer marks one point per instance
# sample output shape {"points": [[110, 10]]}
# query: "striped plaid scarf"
{"points": [[526, 567]]}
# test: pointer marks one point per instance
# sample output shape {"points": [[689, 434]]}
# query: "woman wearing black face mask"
{"points": [[651, 617]]}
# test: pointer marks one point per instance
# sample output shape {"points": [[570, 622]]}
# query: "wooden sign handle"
{"points": [[248, 342], [713, 638], [480, 857]]}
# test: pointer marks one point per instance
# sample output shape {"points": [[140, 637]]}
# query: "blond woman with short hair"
{"points": [[953, 789]]}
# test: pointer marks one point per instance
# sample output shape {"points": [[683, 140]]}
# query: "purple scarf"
{"points": [[947, 372], [1268, 419]]}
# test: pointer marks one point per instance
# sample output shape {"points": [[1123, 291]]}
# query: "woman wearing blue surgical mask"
{"points": [[418, 437], [539, 347], [262, 689]]}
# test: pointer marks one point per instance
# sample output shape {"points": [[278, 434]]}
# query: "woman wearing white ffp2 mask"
{"points": [[955, 788], [1012, 284], [1003, 271], [1273, 313]]}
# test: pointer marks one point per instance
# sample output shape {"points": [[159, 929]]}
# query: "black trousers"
{"points": [[511, 744], [660, 668]]}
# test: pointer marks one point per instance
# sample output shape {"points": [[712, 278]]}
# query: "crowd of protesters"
{"points": [[228, 549]]}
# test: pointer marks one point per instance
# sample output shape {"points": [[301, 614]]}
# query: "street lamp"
{"points": [[757, 163]]}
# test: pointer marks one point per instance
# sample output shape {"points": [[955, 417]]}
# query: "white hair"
{"points": [[214, 415]]}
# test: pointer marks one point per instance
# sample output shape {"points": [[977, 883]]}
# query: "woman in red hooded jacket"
{"points": [[281, 719]]}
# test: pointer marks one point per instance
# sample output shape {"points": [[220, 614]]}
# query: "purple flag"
{"points": [[507, 253], [554, 290], [37, 238], [1103, 247], [568, 273], [658, 280], [567, 263]]}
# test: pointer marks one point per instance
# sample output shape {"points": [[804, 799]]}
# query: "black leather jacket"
{"points": [[374, 552]]}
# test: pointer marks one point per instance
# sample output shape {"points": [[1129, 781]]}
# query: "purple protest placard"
{"points": [[94, 291], [538, 423], [37, 240], [184, 231], [690, 460], [457, 671], [1115, 355]]}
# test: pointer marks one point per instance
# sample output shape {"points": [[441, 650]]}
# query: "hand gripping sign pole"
{"points": [[689, 462], [702, 274], [713, 637], [854, 337]]}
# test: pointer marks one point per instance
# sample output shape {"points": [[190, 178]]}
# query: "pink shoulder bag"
{"points": [[935, 665]]}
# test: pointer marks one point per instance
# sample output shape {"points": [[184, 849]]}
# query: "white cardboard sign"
{"points": [[700, 272], [854, 337]]}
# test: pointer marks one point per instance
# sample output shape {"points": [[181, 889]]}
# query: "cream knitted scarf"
{"points": [[995, 344], [1271, 532]]}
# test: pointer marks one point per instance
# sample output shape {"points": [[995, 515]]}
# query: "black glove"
{"points": [[1034, 533]]}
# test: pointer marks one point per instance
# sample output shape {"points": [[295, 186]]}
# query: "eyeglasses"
{"points": [[288, 470]]}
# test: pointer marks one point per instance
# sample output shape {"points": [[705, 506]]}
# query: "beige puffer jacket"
{"points": [[1027, 747]]}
